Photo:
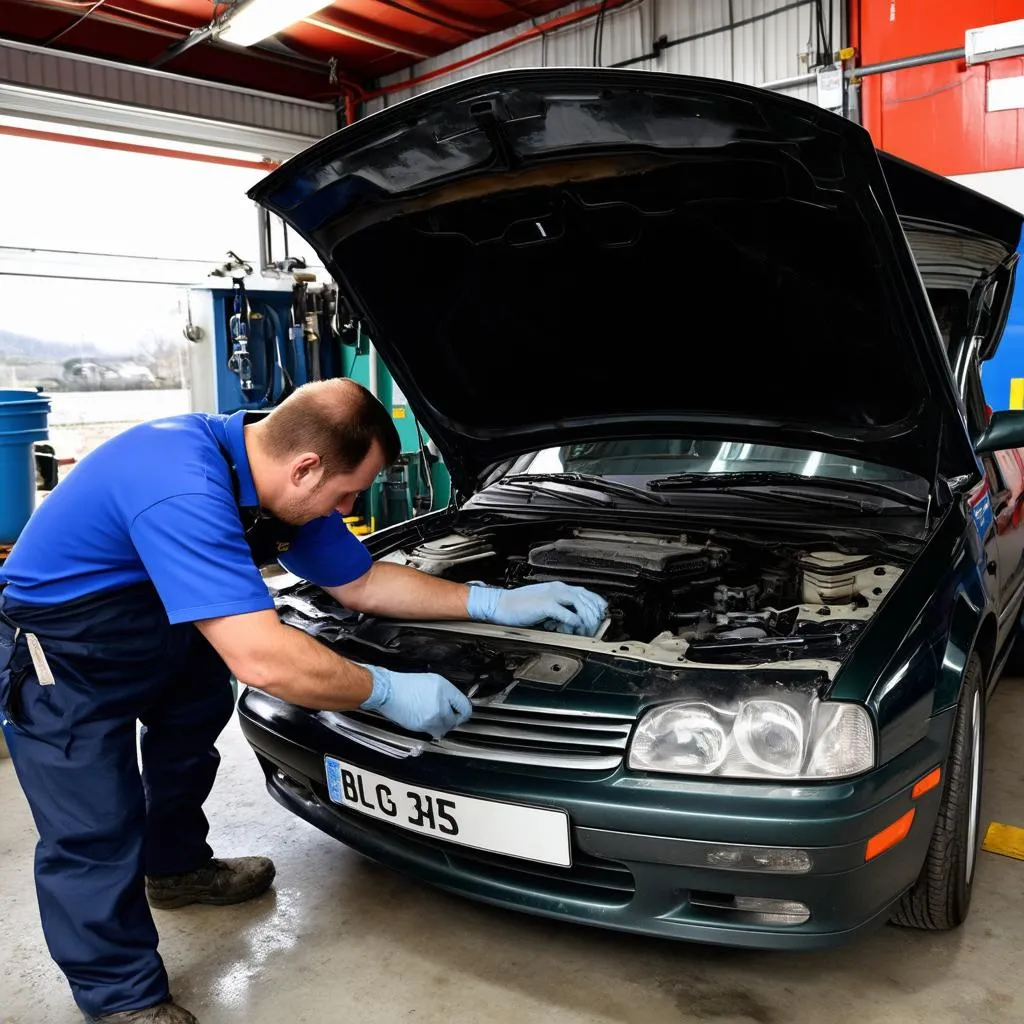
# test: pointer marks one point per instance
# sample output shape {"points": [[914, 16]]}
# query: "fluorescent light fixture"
{"points": [[992, 42], [250, 22]]}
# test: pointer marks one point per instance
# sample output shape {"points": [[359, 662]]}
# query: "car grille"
{"points": [[590, 878], [514, 734]]}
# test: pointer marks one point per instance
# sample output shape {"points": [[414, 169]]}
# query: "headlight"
{"points": [[800, 737], [690, 737], [770, 736]]}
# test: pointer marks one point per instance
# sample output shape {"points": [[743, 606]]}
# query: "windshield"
{"points": [[640, 461]]}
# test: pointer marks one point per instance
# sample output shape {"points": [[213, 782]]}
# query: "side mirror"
{"points": [[1004, 430]]}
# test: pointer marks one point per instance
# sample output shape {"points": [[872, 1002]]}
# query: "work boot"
{"points": [[218, 882], [162, 1013]]}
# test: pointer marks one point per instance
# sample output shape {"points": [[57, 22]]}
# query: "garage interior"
{"points": [[139, 279]]}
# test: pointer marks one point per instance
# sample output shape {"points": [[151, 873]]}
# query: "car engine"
{"points": [[715, 594]]}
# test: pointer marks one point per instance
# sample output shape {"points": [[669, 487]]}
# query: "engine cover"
{"points": [[620, 554]]}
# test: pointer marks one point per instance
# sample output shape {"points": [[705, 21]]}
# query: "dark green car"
{"points": [[701, 349]]}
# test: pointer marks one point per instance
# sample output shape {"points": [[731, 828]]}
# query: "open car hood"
{"points": [[549, 256], [964, 245]]}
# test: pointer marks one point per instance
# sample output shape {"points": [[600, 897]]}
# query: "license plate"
{"points": [[531, 833]]}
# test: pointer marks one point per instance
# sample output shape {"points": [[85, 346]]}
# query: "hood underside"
{"points": [[549, 256]]}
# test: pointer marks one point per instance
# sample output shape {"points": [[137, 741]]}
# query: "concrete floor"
{"points": [[340, 939]]}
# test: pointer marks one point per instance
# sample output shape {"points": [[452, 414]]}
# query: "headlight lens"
{"points": [[799, 737], [688, 737], [770, 736]]}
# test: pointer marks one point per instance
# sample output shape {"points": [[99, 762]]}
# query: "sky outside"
{"points": [[59, 196]]}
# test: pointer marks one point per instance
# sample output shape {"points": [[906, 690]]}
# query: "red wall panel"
{"points": [[936, 115]]}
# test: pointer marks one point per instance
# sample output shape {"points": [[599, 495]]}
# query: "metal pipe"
{"points": [[788, 83], [373, 379], [266, 246], [938, 57], [362, 36], [200, 35]]}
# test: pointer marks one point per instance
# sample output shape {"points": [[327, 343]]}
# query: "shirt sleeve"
{"points": [[194, 550], [326, 552]]}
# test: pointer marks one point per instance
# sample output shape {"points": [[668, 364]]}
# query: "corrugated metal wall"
{"points": [[764, 45], [40, 83]]}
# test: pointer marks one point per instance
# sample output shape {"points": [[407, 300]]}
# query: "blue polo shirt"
{"points": [[157, 503]]}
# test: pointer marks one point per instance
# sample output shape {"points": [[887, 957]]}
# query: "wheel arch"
{"points": [[985, 645]]}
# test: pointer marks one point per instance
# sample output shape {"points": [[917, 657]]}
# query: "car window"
{"points": [[637, 461]]}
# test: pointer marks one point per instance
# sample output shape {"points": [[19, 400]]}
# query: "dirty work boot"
{"points": [[219, 882], [162, 1013]]}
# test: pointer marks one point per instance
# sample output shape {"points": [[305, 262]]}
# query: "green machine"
{"points": [[249, 341], [418, 482]]}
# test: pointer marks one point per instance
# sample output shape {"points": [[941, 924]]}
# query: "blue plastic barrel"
{"points": [[23, 421]]}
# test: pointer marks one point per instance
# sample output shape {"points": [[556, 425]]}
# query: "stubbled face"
{"points": [[310, 495]]}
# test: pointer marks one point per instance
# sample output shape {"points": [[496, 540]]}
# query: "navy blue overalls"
{"points": [[116, 660]]}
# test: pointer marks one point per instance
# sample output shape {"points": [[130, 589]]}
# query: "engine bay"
{"points": [[676, 600], [714, 598]]}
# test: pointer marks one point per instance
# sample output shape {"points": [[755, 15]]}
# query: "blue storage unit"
{"points": [[1002, 377], [273, 345], [24, 417]]}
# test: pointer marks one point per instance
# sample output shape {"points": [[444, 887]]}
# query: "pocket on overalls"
{"points": [[12, 673], [29, 704]]}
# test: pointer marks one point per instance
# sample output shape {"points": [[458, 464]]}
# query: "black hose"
{"points": [[287, 382], [268, 357], [599, 34], [826, 40]]}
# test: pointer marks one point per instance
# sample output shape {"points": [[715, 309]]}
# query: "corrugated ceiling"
{"points": [[366, 38]]}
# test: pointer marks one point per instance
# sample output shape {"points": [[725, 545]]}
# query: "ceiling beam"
{"points": [[367, 32]]}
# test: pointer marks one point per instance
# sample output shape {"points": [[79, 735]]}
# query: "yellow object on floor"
{"points": [[1007, 840], [357, 526]]}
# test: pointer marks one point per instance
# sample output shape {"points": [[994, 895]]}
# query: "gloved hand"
{"points": [[555, 606], [417, 701]]}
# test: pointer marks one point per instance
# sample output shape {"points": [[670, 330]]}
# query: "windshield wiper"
{"points": [[738, 481], [581, 481], [740, 643]]}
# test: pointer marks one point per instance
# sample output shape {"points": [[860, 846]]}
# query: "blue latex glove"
{"points": [[555, 606], [417, 701]]}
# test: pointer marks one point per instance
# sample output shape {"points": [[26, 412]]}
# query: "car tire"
{"points": [[940, 898]]}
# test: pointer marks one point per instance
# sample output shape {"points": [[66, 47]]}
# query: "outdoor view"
{"points": [[108, 354]]}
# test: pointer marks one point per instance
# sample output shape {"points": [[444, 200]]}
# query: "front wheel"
{"points": [[941, 896]]}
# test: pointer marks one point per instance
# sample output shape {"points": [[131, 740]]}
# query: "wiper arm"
{"points": [[732, 481], [763, 641], [573, 497], [588, 481], [773, 495]]}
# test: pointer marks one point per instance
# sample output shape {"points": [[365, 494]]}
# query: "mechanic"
{"points": [[132, 595]]}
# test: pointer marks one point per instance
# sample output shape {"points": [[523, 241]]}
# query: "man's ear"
{"points": [[306, 468]]}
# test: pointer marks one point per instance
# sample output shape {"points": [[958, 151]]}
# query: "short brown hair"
{"points": [[338, 419]]}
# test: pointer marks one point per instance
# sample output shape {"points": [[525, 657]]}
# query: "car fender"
{"points": [[907, 674]]}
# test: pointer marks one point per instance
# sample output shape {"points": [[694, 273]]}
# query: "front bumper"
{"points": [[642, 844]]}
